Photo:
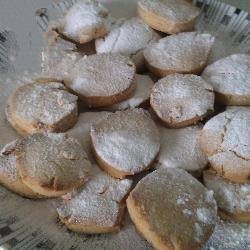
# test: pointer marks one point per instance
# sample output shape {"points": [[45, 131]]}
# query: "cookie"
{"points": [[180, 148], [225, 139], [85, 21], [81, 130], [172, 210], [102, 80], [230, 78], [128, 37], [41, 107], [233, 199], [168, 16], [98, 207], [140, 97], [125, 142], [181, 100], [52, 164], [185, 53], [9, 175]]}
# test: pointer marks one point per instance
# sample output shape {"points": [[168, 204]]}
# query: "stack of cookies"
{"points": [[92, 124]]}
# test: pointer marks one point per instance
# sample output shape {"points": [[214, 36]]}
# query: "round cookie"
{"points": [[125, 142], [180, 148], [230, 78], [225, 139], [169, 16], [233, 199], [41, 107], [102, 80], [98, 207], [181, 100], [141, 95], [172, 210], [83, 22], [128, 37], [9, 175], [52, 164], [185, 53]]}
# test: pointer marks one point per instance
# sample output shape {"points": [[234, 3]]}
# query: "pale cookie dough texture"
{"points": [[9, 175], [180, 148], [173, 210], [102, 80], [185, 53], [230, 77], [42, 107], [125, 142], [181, 100], [52, 164], [98, 207], [232, 198], [128, 37], [84, 21], [225, 139]]}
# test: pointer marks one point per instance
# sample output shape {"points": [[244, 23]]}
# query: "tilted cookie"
{"points": [[9, 175], [225, 139], [41, 107], [140, 97], [98, 207], [180, 148], [102, 80], [181, 100], [185, 53], [52, 164], [230, 78], [169, 16], [128, 37], [84, 21], [172, 210], [233, 199], [125, 142]]}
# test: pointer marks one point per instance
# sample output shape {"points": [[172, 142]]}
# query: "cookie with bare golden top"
{"points": [[9, 175], [233, 199], [98, 207], [185, 53], [168, 16], [125, 142], [42, 107], [102, 80], [173, 210], [225, 139], [181, 100], [85, 21], [52, 164]]}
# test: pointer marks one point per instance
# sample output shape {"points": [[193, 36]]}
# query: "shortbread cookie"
{"points": [[52, 164], [181, 100], [102, 80], [185, 53], [81, 131], [126, 142], [225, 139], [173, 210], [232, 198], [140, 98], [42, 107], [98, 207], [84, 21], [128, 37], [9, 175], [169, 16], [230, 77], [180, 148]]}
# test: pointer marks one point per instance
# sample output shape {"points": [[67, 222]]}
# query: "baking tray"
{"points": [[29, 224]]}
